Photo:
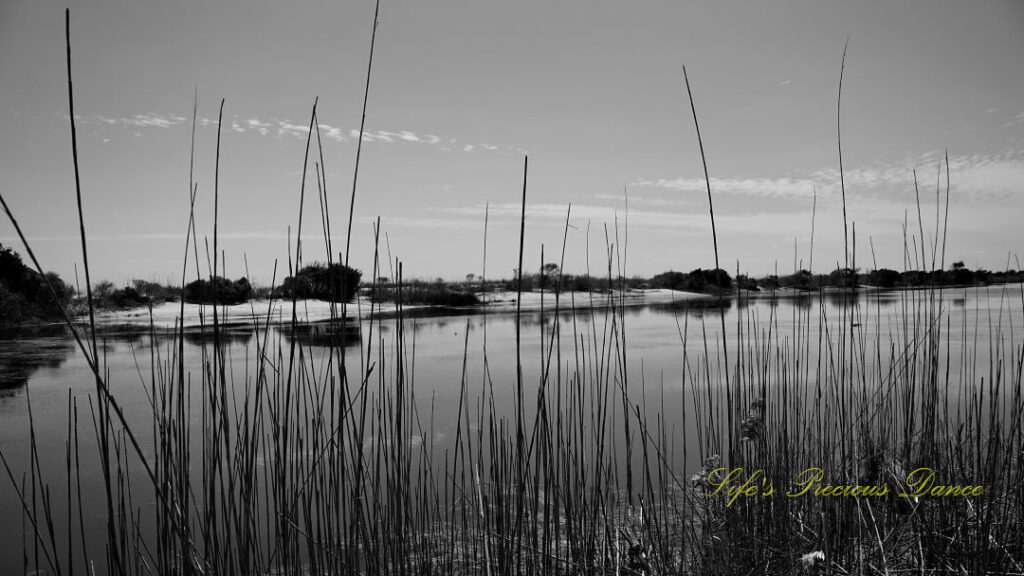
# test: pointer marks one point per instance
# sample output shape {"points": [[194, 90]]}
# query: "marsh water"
{"points": [[46, 372]]}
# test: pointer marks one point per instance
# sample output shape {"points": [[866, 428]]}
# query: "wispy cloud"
{"points": [[1017, 119], [150, 120], [766, 187], [975, 176], [286, 128]]}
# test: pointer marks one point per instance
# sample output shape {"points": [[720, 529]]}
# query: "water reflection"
{"points": [[326, 333], [22, 353], [227, 335], [696, 307], [883, 299], [843, 298]]}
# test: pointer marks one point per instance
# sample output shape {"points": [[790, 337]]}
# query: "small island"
{"points": [[29, 299]]}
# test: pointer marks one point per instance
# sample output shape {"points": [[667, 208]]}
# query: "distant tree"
{"points": [[698, 280], [548, 276], [843, 278], [470, 277], [25, 295], [883, 278], [913, 278], [103, 289], [218, 290], [582, 283], [961, 275], [127, 297], [744, 282], [671, 280], [155, 292], [334, 283], [799, 281], [771, 282]]}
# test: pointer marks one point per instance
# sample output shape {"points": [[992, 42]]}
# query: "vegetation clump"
{"points": [[218, 290], [332, 283], [696, 281], [957, 275], [24, 296], [426, 294]]}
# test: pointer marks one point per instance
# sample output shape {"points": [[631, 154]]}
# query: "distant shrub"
{"points": [[883, 278], [218, 290], [432, 294], [128, 297], [529, 282], [156, 293], [798, 281], [744, 282], [439, 297], [695, 281], [845, 278], [334, 283]]}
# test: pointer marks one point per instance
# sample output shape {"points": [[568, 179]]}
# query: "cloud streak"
{"points": [[975, 177], [286, 128]]}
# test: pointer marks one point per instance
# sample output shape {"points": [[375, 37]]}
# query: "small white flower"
{"points": [[812, 558]]}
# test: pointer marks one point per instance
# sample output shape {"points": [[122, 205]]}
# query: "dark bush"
{"points": [[696, 281], [218, 290], [334, 283], [155, 292], [883, 278], [433, 294], [744, 282], [529, 282], [128, 297], [843, 278], [798, 281]]}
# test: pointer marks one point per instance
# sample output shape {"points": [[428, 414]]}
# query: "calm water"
{"points": [[48, 372]]}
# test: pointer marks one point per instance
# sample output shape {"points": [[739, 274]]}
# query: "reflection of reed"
{"points": [[326, 333], [21, 358]]}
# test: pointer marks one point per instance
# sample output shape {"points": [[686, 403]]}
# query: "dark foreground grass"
{"points": [[311, 463]]}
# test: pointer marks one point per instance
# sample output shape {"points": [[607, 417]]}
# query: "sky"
{"points": [[461, 92]]}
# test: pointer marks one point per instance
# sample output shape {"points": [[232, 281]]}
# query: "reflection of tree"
{"points": [[21, 357], [227, 335], [326, 333], [884, 299], [694, 307], [842, 298], [802, 300]]}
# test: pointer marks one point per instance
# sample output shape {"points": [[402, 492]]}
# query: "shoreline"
{"points": [[278, 312], [257, 312]]}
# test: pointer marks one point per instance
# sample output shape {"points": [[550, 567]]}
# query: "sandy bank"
{"points": [[279, 312]]}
